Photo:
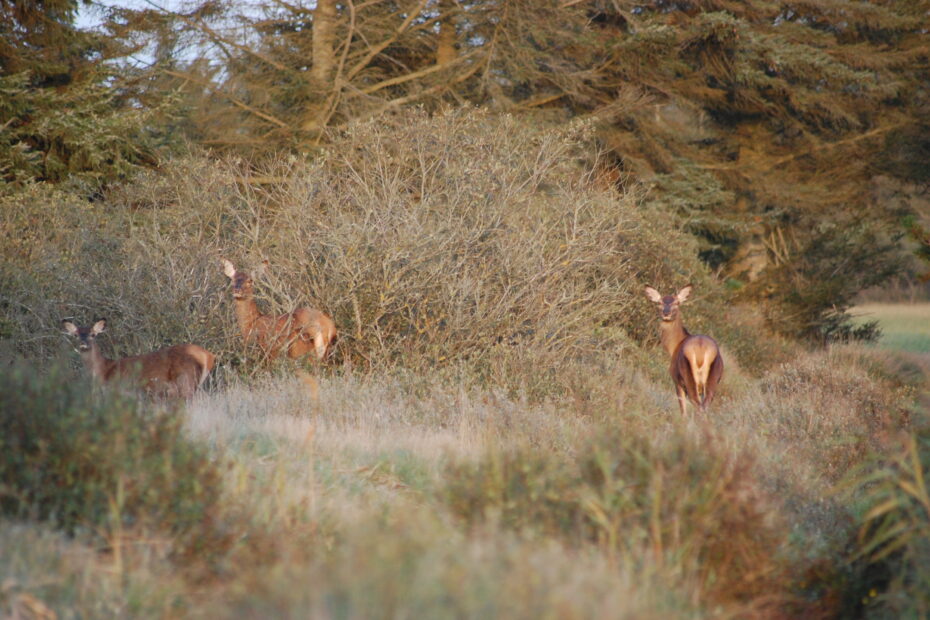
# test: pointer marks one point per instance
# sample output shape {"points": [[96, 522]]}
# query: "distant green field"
{"points": [[905, 327]]}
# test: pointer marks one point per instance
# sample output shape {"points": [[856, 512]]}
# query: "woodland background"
{"points": [[789, 138], [477, 192]]}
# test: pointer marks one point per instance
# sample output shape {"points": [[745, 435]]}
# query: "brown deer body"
{"points": [[169, 373], [696, 363], [299, 332]]}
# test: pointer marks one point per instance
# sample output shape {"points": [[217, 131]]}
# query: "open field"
{"points": [[905, 327]]}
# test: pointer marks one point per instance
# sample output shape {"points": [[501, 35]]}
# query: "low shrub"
{"points": [[684, 500], [830, 408], [103, 463], [890, 572]]}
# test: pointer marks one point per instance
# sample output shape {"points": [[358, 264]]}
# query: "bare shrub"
{"points": [[432, 240]]}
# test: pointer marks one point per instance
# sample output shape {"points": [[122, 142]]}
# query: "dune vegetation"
{"points": [[495, 435], [478, 193]]}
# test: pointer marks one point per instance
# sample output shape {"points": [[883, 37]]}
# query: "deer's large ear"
{"points": [[683, 294], [228, 269], [69, 327], [653, 295], [98, 327]]}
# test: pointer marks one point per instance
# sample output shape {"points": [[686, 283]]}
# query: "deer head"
{"points": [[241, 281], [669, 305], [85, 335]]}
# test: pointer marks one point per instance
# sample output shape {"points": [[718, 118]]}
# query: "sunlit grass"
{"points": [[905, 327], [403, 496]]}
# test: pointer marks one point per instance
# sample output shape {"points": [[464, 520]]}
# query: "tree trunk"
{"points": [[445, 46], [324, 38], [324, 60]]}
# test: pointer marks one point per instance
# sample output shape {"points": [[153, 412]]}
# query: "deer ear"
{"points": [[683, 293], [69, 327], [98, 327], [653, 295], [228, 269]]}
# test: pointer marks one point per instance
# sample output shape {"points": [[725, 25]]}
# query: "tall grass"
{"points": [[893, 555]]}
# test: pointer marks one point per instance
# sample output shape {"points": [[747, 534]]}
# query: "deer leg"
{"points": [[682, 400]]}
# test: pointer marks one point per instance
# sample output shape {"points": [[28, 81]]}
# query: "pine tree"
{"points": [[66, 112]]}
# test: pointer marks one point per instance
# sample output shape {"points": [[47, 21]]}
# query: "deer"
{"points": [[169, 373], [299, 332], [696, 363]]}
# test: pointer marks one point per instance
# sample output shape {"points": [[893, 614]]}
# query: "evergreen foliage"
{"points": [[67, 112], [754, 122]]}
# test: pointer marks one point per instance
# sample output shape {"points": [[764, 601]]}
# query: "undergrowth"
{"points": [[104, 463]]}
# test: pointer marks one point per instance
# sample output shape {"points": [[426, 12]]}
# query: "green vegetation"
{"points": [[894, 553], [759, 127], [69, 113], [904, 327], [103, 464], [786, 140]]}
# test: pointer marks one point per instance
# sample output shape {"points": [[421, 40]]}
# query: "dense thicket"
{"points": [[462, 239]]}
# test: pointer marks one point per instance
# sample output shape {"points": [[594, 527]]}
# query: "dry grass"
{"points": [[599, 502], [362, 478]]}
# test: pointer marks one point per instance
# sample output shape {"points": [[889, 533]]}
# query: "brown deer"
{"points": [[300, 332], [172, 372], [696, 362]]}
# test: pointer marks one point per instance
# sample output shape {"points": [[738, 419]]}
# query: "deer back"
{"points": [[172, 372], [697, 361]]}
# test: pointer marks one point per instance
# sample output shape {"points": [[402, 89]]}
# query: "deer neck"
{"points": [[246, 313], [96, 363], [671, 333]]}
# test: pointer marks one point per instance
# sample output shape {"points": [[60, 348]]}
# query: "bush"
{"points": [[103, 463], [685, 500], [891, 568], [431, 240]]}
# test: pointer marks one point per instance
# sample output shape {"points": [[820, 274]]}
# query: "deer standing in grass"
{"points": [[696, 362], [301, 331], [168, 373]]}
